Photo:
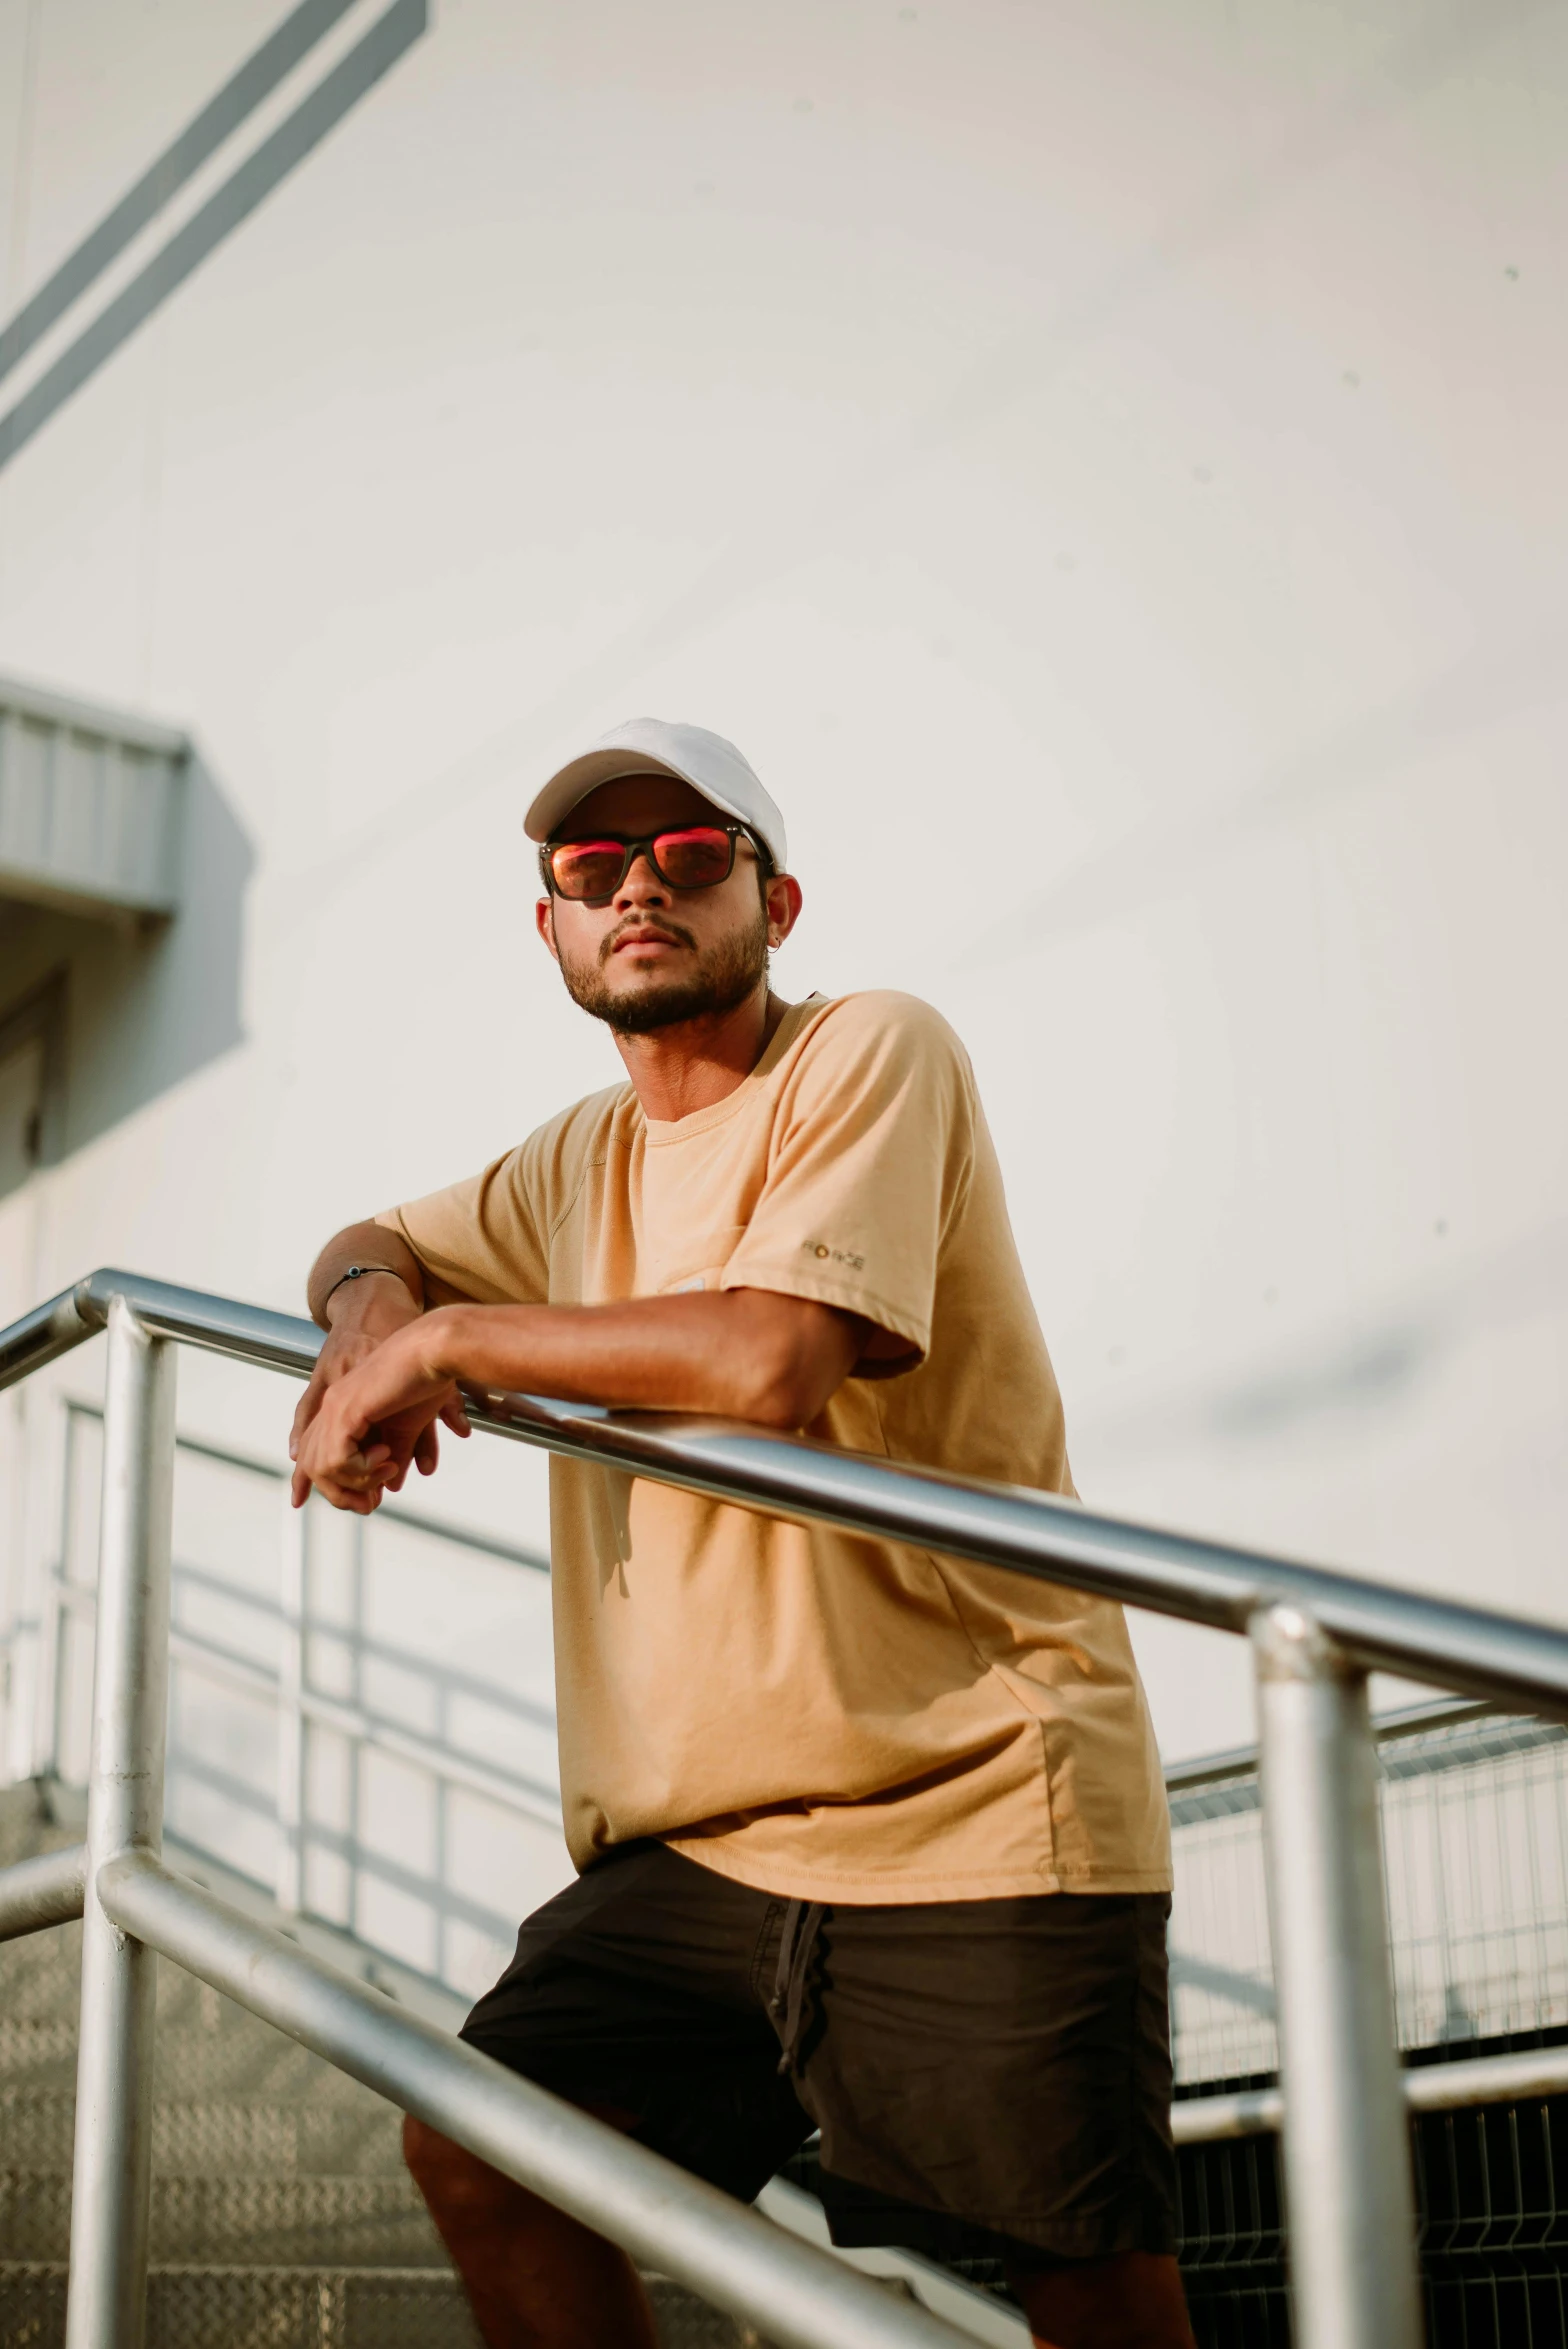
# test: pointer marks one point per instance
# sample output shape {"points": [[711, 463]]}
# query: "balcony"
{"points": [[91, 806]]}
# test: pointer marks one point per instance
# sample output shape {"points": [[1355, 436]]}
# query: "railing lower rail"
{"points": [[651, 2208], [1315, 1637]]}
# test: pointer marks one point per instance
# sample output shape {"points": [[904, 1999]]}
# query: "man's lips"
{"points": [[644, 938]]}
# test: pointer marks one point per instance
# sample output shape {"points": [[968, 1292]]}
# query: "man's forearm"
{"points": [[740, 1353], [364, 1244]]}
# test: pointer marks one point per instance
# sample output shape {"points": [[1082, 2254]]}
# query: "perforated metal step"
{"points": [[282, 2215], [200, 2137], [314, 2308], [240, 2221]]}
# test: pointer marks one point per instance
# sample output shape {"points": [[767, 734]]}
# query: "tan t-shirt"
{"points": [[816, 1713]]}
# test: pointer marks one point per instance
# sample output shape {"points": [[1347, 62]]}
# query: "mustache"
{"points": [[634, 926]]}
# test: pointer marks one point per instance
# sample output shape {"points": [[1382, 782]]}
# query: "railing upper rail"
{"points": [[1474, 1650]]}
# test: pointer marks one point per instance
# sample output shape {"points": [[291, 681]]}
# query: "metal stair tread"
{"points": [[209, 2306], [322, 2307], [195, 2136], [237, 2219], [282, 2216]]}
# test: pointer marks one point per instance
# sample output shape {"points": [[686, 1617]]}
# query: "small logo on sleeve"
{"points": [[826, 1255]]}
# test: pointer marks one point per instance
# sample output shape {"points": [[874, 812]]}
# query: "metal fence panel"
{"points": [[1475, 1837]]}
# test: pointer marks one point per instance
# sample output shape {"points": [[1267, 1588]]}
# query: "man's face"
{"points": [[651, 955]]}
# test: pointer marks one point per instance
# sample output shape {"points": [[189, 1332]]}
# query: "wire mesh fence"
{"points": [[1475, 1833], [1492, 2193]]}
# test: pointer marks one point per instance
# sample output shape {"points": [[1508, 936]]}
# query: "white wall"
{"points": [[1109, 450]]}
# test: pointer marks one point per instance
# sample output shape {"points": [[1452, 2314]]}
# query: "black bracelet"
{"points": [[357, 1272]]}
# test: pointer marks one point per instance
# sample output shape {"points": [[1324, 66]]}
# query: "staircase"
{"points": [[282, 2217]]}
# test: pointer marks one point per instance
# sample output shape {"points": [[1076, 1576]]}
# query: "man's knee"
{"points": [[451, 2178], [457, 2184], [1132, 2301]]}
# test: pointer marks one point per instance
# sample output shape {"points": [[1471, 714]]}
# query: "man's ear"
{"points": [[544, 918], [782, 900]]}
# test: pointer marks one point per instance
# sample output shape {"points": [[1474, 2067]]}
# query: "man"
{"points": [[870, 1840]]}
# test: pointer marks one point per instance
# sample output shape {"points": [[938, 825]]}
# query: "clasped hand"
{"points": [[371, 1410]]}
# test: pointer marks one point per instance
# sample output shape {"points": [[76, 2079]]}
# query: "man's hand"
{"points": [[749, 1354], [359, 1317], [754, 1354], [376, 1411]]}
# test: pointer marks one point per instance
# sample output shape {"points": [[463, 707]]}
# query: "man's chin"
{"points": [[639, 1003], [641, 1010], [646, 1005], [644, 1008]]}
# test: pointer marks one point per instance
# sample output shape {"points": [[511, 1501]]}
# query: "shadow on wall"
{"points": [[139, 1004]]}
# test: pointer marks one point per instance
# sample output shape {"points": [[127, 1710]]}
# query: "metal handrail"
{"points": [[48, 1890], [1475, 1650], [131, 1906], [1315, 1637]]}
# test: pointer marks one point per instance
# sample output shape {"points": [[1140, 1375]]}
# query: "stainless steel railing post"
{"points": [[112, 2171], [289, 1884], [1349, 2205]]}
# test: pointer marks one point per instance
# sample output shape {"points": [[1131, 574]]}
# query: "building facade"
{"points": [[1102, 463]]}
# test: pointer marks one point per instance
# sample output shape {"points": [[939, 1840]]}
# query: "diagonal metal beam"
{"points": [[288, 146], [239, 97]]}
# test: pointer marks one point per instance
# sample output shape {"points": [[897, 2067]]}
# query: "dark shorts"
{"points": [[989, 2076]]}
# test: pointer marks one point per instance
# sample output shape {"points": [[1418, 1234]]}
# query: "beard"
{"points": [[721, 980]]}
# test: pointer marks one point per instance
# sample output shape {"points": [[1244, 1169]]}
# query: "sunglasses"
{"points": [[589, 872]]}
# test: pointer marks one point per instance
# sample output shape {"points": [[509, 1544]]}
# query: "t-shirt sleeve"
{"points": [[872, 1155], [481, 1239]]}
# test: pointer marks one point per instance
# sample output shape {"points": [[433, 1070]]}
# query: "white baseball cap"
{"points": [[656, 746]]}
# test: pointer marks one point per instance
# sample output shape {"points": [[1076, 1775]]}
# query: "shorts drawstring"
{"points": [[791, 1982]]}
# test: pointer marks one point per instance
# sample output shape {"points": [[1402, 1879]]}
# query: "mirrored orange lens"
{"points": [[694, 859], [587, 868]]}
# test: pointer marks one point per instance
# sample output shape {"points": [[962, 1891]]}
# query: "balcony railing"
{"points": [[1315, 1636]]}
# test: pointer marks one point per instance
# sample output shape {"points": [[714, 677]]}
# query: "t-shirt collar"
{"points": [[676, 1129]]}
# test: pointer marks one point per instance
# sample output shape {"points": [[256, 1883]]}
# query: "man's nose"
{"points": [[642, 886]]}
